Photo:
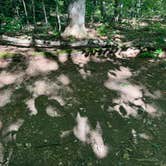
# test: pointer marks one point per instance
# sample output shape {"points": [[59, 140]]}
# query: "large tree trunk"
{"points": [[76, 27]]}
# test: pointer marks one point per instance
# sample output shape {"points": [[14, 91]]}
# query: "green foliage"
{"points": [[146, 55], [153, 54], [15, 17], [103, 29], [157, 52], [11, 25]]}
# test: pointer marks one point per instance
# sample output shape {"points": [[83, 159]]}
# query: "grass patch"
{"points": [[6, 54]]}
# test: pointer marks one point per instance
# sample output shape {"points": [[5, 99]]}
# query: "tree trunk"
{"points": [[34, 13], [58, 16], [25, 10], [44, 11], [76, 27]]}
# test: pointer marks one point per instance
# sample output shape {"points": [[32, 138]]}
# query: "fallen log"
{"points": [[86, 43]]}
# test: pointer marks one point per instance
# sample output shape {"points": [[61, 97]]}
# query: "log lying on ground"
{"points": [[87, 43], [119, 49]]}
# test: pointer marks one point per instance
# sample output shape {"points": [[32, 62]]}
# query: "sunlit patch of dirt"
{"points": [[82, 128], [63, 58], [4, 63], [7, 78], [129, 53], [64, 79], [31, 106], [52, 89], [15, 50], [122, 73], [97, 142], [130, 95], [84, 74], [90, 136], [9, 132], [80, 59], [5, 97], [42, 87], [41, 65], [52, 111]]}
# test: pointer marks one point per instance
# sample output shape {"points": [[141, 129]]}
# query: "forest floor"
{"points": [[127, 39], [49, 103]]}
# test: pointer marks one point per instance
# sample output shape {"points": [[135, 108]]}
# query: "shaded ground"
{"points": [[73, 109]]}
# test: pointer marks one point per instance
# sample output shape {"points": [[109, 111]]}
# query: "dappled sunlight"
{"points": [[128, 109], [65, 133], [7, 78], [41, 65], [137, 137], [46, 107], [9, 132], [145, 136], [64, 79], [4, 63], [51, 89], [152, 110], [90, 136], [155, 95], [82, 129], [44, 87], [123, 73], [98, 60], [130, 95], [84, 73], [62, 58], [52, 111], [134, 136], [31, 106], [80, 59], [1, 153], [8, 135], [59, 99], [14, 50], [1, 125], [5, 97], [97, 143], [130, 53]]}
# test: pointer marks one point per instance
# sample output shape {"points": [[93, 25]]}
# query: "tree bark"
{"points": [[44, 11], [76, 27]]}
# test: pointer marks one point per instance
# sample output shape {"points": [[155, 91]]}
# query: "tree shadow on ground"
{"points": [[45, 103]]}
